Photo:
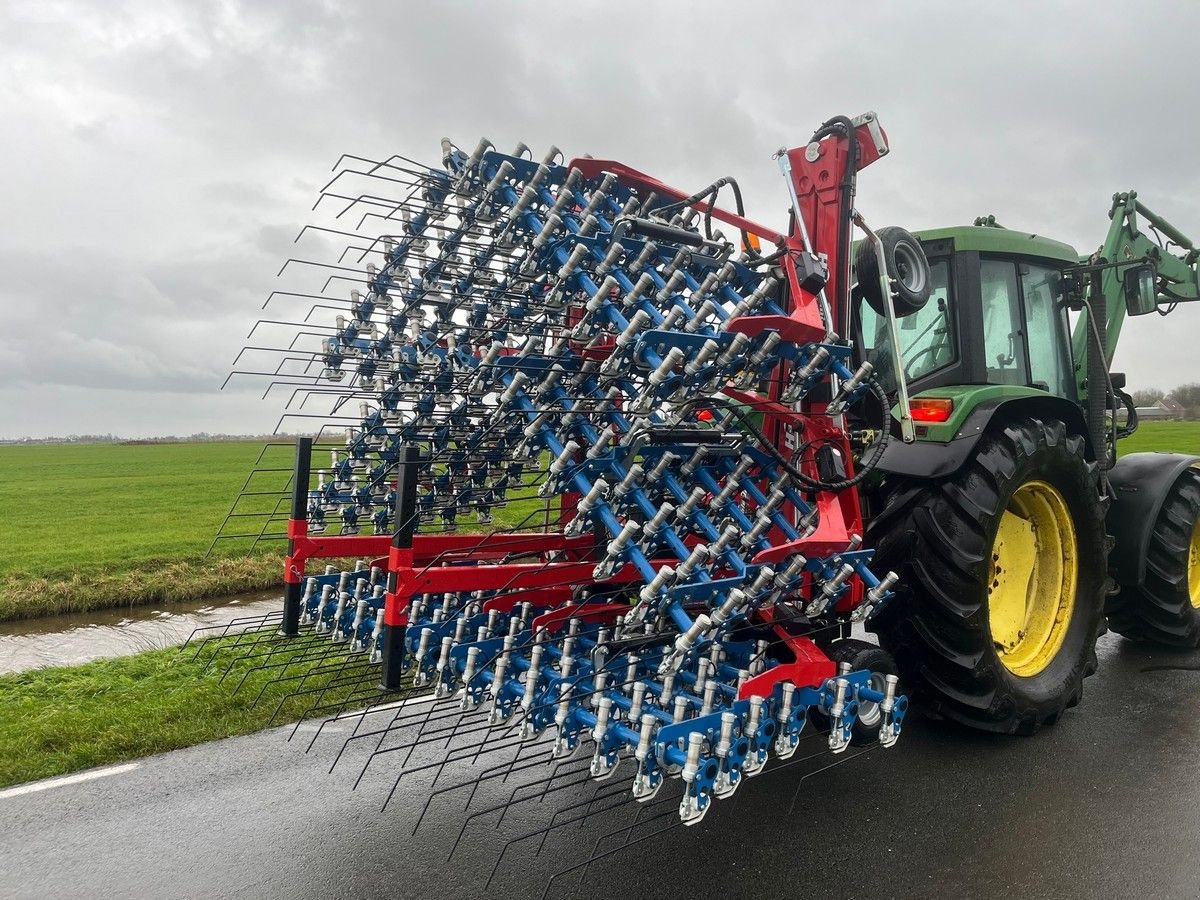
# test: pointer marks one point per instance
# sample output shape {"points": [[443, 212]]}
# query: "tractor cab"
{"points": [[994, 315], [994, 331]]}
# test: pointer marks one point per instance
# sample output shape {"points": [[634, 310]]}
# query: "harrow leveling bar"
{"points": [[583, 331]]}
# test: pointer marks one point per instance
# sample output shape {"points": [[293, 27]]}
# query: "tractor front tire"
{"points": [[1003, 573], [1165, 608]]}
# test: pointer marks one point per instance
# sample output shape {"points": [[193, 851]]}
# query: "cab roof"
{"points": [[993, 239]]}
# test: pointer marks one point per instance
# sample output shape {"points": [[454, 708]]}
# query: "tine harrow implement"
{"points": [[597, 476]]}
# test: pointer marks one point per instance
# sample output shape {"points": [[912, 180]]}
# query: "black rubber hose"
{"points": [[813, 484], [706, 192], [710, 193], [1131, 420]]}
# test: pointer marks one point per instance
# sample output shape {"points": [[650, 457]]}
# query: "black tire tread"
{"points": [[1159, 610], [936, 536]]}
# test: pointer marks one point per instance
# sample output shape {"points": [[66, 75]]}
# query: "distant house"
{"points": [[1171, 408], [1163, 410]]}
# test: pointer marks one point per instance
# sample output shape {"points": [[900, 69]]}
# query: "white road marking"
{"points": [[34, 786]]}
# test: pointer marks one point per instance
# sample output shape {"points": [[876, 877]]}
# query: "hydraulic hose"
{"points": [[813, 484], [710, 193]]}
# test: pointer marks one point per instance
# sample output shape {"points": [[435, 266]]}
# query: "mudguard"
{"points": [[941, 459], [1140, 482]]}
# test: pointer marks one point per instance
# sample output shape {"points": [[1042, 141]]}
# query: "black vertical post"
{"points": [[293, 584], [406, 525]]}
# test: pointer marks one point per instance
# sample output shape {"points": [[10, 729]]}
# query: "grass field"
{"points": [[93, 525], [1178, 437], [115, 506], [89, 526]]}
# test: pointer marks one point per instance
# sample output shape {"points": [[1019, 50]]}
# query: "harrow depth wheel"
{"points": [[862, 655], [908, 272]]}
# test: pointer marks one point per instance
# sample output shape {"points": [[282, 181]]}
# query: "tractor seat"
{"points": [[1005, 376]]}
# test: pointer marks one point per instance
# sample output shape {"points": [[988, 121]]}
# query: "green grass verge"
{"points": [[23, 597], [65, 719]]}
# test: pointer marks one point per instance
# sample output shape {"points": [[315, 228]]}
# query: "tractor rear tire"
{"points": [[978, 550], [1165, 608]]}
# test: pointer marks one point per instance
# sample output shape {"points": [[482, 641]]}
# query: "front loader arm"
{"points": [[1173, 254]]}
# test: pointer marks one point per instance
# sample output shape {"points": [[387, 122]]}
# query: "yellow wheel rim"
{"points": [[1194, 565], [1033, 573]]}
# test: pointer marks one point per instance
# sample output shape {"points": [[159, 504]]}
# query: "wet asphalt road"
{"points": [[1105, 804]]}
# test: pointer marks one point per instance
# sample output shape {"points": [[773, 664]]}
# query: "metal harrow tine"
{"points": [[647, 837], [501, 769]]}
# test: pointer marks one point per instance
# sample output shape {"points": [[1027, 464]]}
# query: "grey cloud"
{"points": [[165, 154]]}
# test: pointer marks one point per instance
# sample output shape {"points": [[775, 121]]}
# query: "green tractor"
{"points": [[1015, 530]]}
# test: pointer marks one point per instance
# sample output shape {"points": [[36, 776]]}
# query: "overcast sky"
{"points": [[159, 157]]}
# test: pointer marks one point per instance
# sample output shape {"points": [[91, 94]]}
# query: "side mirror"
{"points": [[1141, 293]]}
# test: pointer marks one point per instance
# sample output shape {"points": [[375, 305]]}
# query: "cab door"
{"points": [[1025, 329]]}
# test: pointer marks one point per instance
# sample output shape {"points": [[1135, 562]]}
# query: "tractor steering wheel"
{"points": [[910, 364]]}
